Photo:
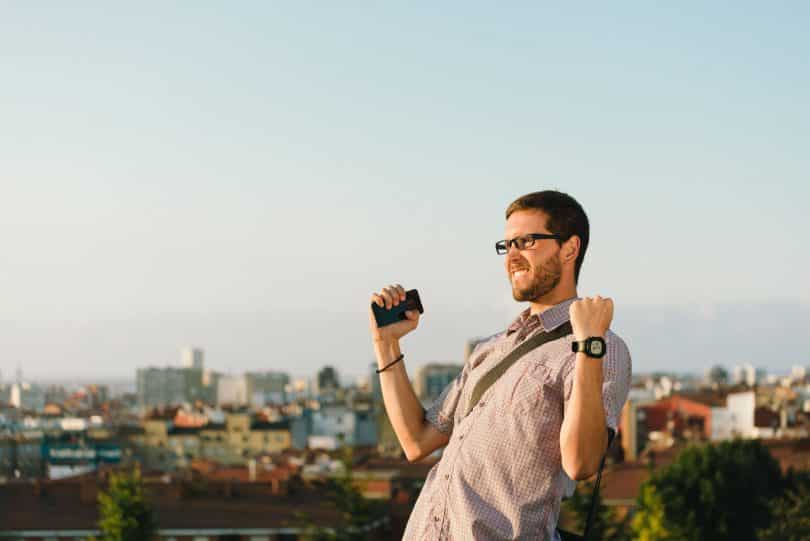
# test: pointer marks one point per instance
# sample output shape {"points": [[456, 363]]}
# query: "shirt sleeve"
{"points": [[616, 373], [442, 412]]}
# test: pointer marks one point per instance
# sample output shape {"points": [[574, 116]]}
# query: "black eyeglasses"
{"points": [[521, 243]]}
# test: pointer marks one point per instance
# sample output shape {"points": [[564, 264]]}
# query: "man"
{"points": [[512, 453]]}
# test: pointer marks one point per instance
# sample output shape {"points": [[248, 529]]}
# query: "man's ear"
{"points": [[570, 249]]}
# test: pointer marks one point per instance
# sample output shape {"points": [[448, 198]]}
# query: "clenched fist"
{"points": [[389, 297], [590, 316]]}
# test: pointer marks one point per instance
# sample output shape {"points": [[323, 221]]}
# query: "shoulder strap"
{"points": [[596, 484], [569, 536], [498, 370]]}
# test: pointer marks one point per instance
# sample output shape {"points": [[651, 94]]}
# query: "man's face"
{"points": [[535, 271]]}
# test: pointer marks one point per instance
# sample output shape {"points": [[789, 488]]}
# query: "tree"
{"points": [[605, 525], [346, 497], [713, 492], [791, 516], [649, 525], [718, 375], [356, 511], [124, 510]]}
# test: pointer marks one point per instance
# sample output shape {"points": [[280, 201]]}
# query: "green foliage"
{"points": [[604, 524], [347, 498], [713, 492], [649, 524], [124, 511], [791, 516]]}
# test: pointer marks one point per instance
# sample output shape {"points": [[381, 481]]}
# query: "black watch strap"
{"points": [[592, 347]]}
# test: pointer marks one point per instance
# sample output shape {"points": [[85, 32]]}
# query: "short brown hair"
{"points": [[565, 218]]}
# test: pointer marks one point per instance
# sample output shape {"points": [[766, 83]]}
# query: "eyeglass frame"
{"points": [[522, 239]]}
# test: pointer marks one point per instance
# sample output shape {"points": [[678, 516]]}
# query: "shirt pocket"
{"points": [[531, 390]]}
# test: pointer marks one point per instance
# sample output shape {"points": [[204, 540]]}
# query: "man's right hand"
{"points": [[387, 298]]}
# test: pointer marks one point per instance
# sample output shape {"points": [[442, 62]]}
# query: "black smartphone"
{"points": [[397, 313]]}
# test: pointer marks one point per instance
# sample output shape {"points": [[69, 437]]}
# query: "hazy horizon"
{"points": [[671, 339]]}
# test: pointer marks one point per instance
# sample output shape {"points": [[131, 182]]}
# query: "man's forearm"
{"points": [[403, 407], [583, 437]]}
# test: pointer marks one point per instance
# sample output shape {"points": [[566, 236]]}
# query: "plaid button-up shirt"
{"points": [[500, 475]]}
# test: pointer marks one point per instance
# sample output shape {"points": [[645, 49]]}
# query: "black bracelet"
{"points": [[392, 363]]}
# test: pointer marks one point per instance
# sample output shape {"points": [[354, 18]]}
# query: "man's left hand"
{"points": [[591, 316]]}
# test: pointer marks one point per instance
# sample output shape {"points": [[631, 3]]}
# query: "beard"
{"points": [[543, 279]]}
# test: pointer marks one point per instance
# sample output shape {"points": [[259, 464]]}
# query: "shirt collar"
{"points": [[550, 319]]}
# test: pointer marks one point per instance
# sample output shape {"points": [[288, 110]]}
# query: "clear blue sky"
{"points": [[242, 176]]}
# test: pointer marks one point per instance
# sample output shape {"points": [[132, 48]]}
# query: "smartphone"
{"points": [[397, 313]]}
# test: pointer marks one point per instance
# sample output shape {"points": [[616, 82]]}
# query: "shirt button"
{"points": [[447, 476], [436, 519], [461, 437]]}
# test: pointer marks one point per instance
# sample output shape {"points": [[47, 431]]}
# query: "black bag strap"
{"points": [[498, 370], [595, 495], [568, 536]]}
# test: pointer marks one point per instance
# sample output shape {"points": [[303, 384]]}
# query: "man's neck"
{"points": [[552, 298]]}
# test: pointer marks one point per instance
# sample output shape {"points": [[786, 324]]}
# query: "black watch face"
{"points": [[596, 347]]}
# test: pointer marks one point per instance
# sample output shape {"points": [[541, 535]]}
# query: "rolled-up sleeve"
{"points": [[616, 375]]}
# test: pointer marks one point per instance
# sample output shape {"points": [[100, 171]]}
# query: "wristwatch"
{"points": [[592, 347]]}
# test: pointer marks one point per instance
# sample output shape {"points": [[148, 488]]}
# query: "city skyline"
{"points": [[244, 179]]}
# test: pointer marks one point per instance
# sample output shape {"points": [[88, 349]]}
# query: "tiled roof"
{"points": [[62, 507]]}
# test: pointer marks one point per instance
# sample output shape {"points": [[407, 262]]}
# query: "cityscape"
{"points": [[260, 444]]}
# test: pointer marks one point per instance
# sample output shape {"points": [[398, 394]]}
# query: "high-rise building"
{"points": [[167, 386], [267, 387], [432, 378], [233, 391], [210, 382], [328, 379], [192, 358]]}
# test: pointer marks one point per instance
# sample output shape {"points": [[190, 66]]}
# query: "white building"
{"points": [[336, 421], [736, 419], [233, 390], [16, 396]]}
